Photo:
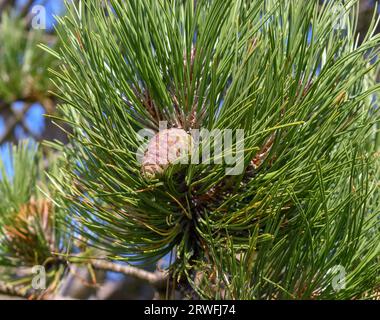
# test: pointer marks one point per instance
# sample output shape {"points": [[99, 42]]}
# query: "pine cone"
{"points": [[167, 147]]}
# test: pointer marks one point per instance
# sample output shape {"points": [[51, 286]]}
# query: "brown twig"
{"points": [[18, 292], [13, 291], [157, 279], [16, 118], [26, 8]]}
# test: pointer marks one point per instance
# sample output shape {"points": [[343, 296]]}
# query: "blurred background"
{"points": [[27, 97]]}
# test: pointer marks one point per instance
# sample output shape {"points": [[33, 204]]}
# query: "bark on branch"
{"points": [[157, 279], [18, 292], [13, 291]]}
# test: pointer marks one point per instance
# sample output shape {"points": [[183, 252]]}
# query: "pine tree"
{"points": [[290, 75], [299, 221]]}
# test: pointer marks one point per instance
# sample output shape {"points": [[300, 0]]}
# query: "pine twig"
{"points": [[13, 291], [156, 279], [16, 118], [26, 8]]}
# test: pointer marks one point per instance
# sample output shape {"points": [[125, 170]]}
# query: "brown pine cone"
{"points": [[167, 147]]}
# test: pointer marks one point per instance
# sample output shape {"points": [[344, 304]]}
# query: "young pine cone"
{"points": [[167, 147]]}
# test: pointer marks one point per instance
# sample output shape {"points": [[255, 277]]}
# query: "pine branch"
{"points": [[279, 70], [26, 8], [157, 279], [13, 291], [16, 118]]}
